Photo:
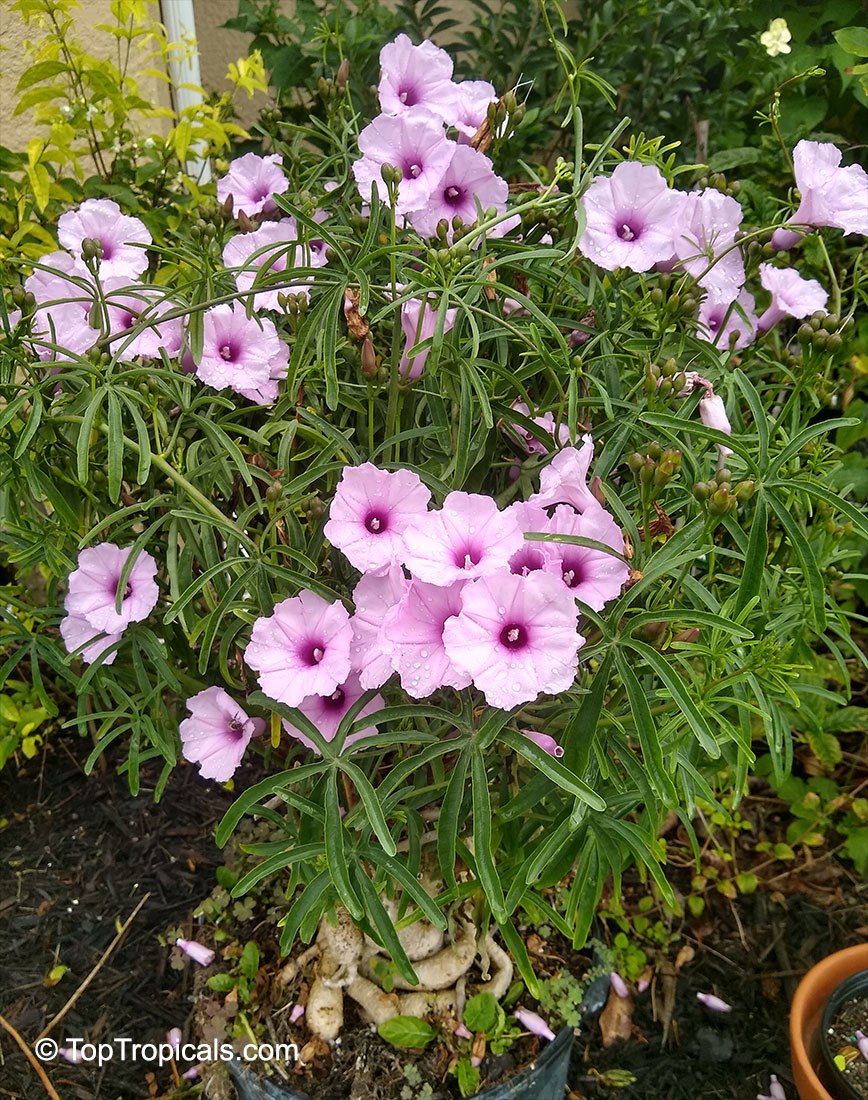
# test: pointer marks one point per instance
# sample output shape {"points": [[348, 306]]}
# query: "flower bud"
{"points": [[343, 74], [369, 359]]}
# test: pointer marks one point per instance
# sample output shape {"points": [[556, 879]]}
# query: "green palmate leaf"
{"points": [[409, 882], [262, 791], [370, 802], [585, 892], [83, 444], [409, 1032], [336, 852], [483, 844], [753, 569], [306, 910], [306, 853], [646, 731], [816, 489], [553, 768], [451, 818], [809, 432], [581, 731], [676, 686], [383, 926], [814, 589]]}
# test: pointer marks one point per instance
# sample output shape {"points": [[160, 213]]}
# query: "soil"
{"points": [[852, 1017], [79, 853]]}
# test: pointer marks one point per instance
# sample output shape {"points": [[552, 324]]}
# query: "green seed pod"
{"points": [[670, 368], [821, 338], [744, 491], [723, 476], [635, 461], [702, 490], [654, 450], [805, 334], [835, 341], [664, 472], [830, 322], [656, 296], [273, 492], [647, 472]]}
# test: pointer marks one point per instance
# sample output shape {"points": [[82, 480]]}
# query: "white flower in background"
{"points": [[777, 38]]}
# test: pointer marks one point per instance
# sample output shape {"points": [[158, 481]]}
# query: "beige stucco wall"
{"points": [[217, 47], [15, 59]]}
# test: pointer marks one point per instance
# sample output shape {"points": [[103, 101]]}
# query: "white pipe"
{"points": [[179, 17]]}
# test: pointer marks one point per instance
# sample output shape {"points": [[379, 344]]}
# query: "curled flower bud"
{"points": [[619, 985], [545, 742], [198, 952], [712, 1003], [535, 1024], [712, 413]]}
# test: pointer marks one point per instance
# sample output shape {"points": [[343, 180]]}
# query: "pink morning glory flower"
{"points": [[470, 107], [242, 353], [419, 322], [76, 632], [565, 479], [414, 629], [724, 324], [517, 637], [469, 176], [64, 326], [275, 248], [534, 1023], [327, 712], [131, 306], [792, 296], [705, 227], [414, 76], [592, 576], [830, 195], [217, 733], [371, 649], [629, 218], [415, 143], [776, 1091], [532, 555], [370, 512], [198, 952], [93, 588], [547, 422], [251, 181], [63, 316], [545, 741], [63, 280], [123, 238], [714, 1004], [468, 537], [302, 648]]}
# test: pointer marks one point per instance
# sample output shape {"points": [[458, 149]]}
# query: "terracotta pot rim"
{"points": [[841, 964]]}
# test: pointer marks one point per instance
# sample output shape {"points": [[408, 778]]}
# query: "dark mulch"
{"points": [[752, 959], [77, 854]]}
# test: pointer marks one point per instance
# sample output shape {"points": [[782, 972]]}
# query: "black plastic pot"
{"points": [[855, 986], [544, 1080]]}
